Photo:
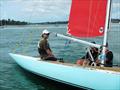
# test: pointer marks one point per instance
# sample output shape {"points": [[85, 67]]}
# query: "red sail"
{"points": [[87, 18]]}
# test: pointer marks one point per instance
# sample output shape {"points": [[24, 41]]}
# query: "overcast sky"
{"points": [[42, 10]]}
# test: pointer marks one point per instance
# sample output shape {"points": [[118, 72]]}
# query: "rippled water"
{"points": [[23, 40]]}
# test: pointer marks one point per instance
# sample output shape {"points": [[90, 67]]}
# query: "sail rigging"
{"points": [[87, 18]]}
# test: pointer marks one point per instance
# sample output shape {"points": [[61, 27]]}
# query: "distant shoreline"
{"points": [[115, 20], [45, 24], [12, 22], [56, 22], [21, 23]]}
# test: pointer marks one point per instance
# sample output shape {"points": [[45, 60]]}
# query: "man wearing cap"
{"points": [[44, 48]]}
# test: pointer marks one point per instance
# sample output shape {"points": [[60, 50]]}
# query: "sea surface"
{"points": [[24, 39]]}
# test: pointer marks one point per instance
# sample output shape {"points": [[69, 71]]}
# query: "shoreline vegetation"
{"points": [[56, 22], [13, 22]]}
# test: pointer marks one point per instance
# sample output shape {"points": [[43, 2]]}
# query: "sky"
{"points": [[42, 10]]}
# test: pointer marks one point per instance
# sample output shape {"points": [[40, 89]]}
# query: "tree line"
{"points": [[115, 20], [12, 22]]}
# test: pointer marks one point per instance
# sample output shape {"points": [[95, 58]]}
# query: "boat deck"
{"points": [[115, 69]]}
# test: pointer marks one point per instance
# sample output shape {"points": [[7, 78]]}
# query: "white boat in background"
{"points": [[87, 18]]}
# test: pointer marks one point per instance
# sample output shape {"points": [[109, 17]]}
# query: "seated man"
{"points": [[44, 48]]}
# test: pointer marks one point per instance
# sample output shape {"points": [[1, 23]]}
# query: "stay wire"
{"points": [[30, 35]]}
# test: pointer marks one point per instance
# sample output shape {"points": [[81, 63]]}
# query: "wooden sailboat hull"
{"points": [[72, 75]]}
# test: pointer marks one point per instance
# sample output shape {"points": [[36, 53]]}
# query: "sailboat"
{"points": [[88, 18]]}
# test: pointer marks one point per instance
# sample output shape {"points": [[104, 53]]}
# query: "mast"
{"points": [[105, 31]]}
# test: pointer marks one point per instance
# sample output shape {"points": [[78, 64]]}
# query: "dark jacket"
{"points": [[43, 46], [109, 59]]}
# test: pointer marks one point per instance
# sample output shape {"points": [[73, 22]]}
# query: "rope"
{"points": [[16, 46], [27, 43], [30, 35]]}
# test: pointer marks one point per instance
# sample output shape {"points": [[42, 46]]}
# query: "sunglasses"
{"points": [[47, 34]]}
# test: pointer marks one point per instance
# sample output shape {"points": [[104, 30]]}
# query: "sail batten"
{"points": [[87, 18]]}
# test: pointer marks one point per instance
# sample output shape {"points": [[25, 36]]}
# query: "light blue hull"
{"points": [[72, 75]]}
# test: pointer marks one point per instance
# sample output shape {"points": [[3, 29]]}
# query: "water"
{"points": [[23, 40]]}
